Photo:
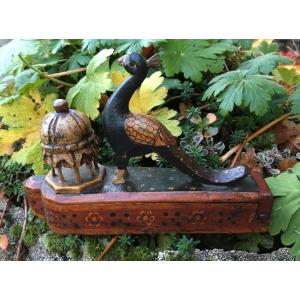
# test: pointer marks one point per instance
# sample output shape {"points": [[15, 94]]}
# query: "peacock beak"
{"points": [[121, 60]]}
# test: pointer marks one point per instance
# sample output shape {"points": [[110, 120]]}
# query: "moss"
{"points": [[70, 245], [55, 243], [264, 141], [141, 253], [32, 234], [42, 225], [94, 246], [15, 232]]}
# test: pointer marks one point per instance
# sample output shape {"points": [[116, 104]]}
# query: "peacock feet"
{"points": [[119, 176]]}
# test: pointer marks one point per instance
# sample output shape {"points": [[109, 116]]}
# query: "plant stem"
{"points": [[107, 247], [42, 74], [18, 256], [254, 135], [178, 97], [4, 211], [66, 73], [239, 151]]}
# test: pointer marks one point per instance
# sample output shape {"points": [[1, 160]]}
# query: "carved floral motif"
{"points": [[94, 219], [198, 217], [145, 218]]}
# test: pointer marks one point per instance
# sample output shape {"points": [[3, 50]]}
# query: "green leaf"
{"points": [[193, 57], [295, 99], [292, 234], [90, 46], [251, 242], [9, 60], [86, 94], [295, 250], [77, 60], [284, 184], [282, 212], [32, 155], [285, 215], [136, 45], [239, 88], [266, 47], [57, 45], [264, 64], [289, 76], [27, 80], [98, 60], [243, 44]]}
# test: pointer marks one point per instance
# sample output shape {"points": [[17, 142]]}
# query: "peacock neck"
{"points": [[119, 100]]}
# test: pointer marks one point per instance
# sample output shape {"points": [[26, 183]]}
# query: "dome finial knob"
{"points": [[61, 105]]}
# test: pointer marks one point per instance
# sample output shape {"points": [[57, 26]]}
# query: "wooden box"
{"points": [[154, 200]]}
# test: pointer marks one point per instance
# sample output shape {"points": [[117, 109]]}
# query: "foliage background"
{"points": [[211, 94]]}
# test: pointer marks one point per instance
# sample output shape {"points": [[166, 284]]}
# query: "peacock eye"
{"points": [[131, 64]]}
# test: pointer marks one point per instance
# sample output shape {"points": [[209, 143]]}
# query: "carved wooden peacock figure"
{"points": [[133, 134]]}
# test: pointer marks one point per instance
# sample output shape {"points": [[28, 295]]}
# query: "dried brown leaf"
{"points": [[3, 242], [247, 159], [286, 164]]}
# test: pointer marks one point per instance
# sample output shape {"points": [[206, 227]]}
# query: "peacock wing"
{"points": [[146, 130]]}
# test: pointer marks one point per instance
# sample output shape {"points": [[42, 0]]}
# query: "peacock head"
{"points": [[136, 64]]}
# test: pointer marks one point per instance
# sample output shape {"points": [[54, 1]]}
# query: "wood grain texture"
{"points": [[152, 212]]}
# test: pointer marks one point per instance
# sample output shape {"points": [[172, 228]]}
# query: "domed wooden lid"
{"points": [[65, 127]]}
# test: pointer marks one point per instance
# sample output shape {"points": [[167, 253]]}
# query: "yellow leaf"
{"points": [[165, 115], [257, 42], [118, 77], [150, 95], [23, 118]]}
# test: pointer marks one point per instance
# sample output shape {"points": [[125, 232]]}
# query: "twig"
{"points": [[4, 211], [296, 146], [239, 152], [107, 247], [226, 67], [20, 243], [200, 107], [42, 74], [254, 135], [179, 97], [66, 73]]}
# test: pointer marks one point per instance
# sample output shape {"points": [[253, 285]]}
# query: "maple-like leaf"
{"points": [[193, 57], [23, 119], [150, 95], [136, 45], [285, 215], [9, 60], [266, 47], [256, 43], [295, 98], [264, 64], [77, 60], [239, 88], [287, 74], [86, 94]]}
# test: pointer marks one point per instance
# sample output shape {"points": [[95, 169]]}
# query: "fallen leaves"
{"points": [[3, 242], [286, 164], [248, 160], [287, 134]]}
